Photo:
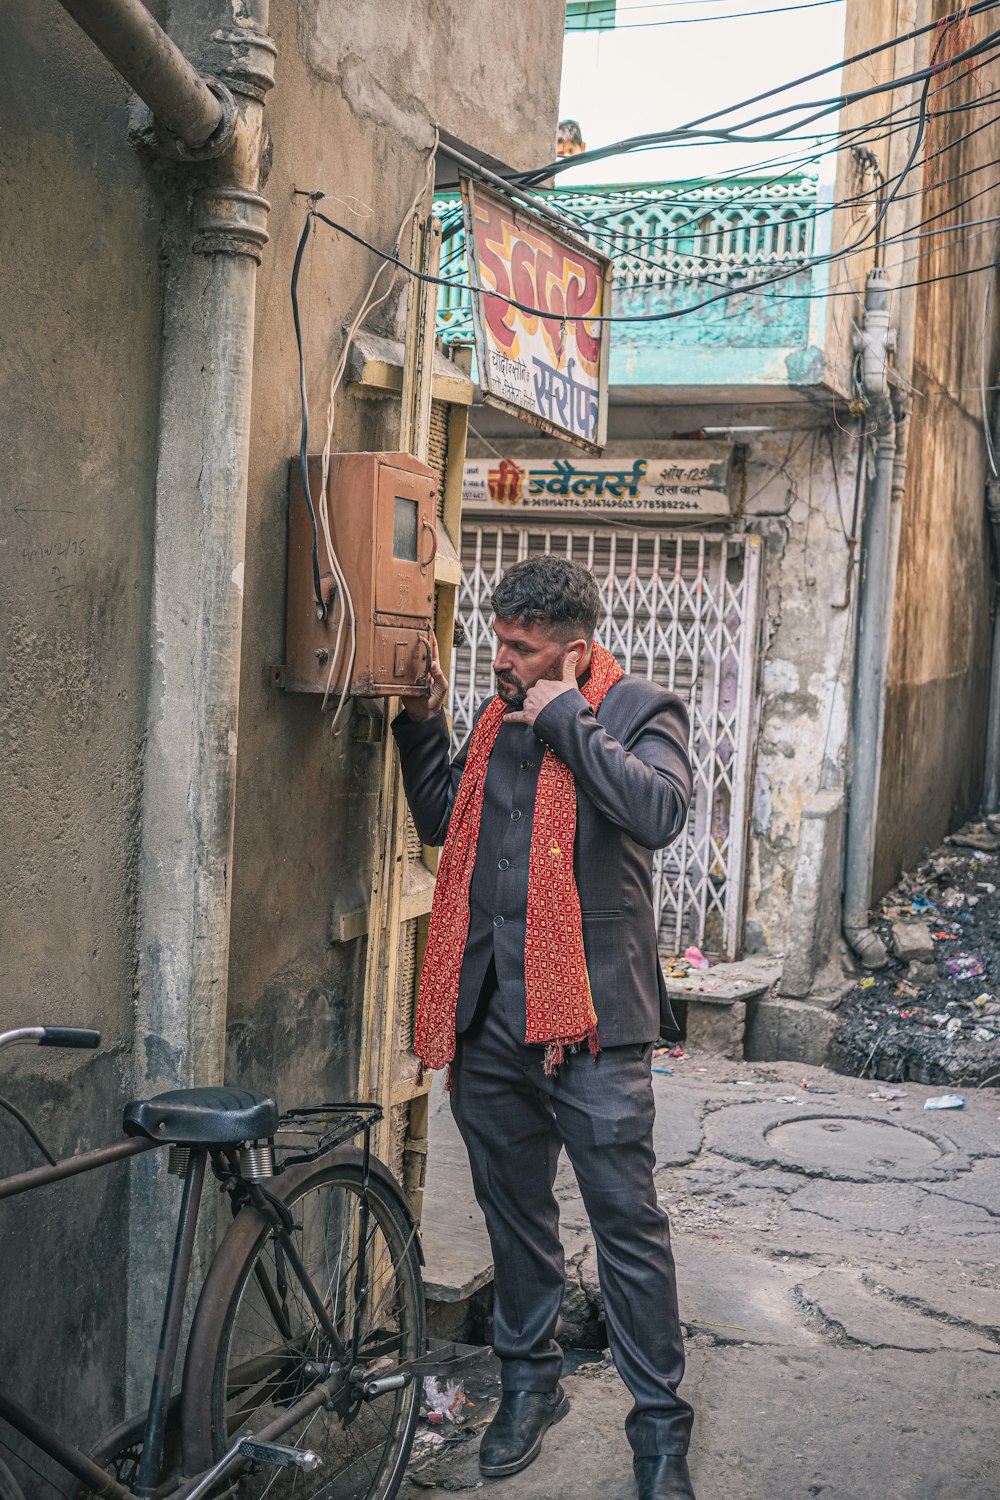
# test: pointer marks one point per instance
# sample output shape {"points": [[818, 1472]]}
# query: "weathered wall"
{"points": [[357, 91], [798, 493], [372, 81], [78, 401], [939, 664]]}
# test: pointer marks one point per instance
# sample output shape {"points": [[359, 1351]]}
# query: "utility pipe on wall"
{"points": [[869, 674], [991, 786], [150, 63]]}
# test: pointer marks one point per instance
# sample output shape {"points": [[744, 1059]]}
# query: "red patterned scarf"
{"points": [[560, 1008]]}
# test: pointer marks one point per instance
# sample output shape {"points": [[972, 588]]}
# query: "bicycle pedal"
{"points": [[280, 1455]]}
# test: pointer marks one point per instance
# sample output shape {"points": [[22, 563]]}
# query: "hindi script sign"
{"points": [[674, 481], [549, 365]]}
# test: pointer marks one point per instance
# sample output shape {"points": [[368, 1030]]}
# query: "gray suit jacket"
{"points": [[633, 786]]}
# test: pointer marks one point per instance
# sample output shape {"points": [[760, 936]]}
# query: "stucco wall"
{"points": [[371, 81], [357, 91], [78, 399], [939, 664]]}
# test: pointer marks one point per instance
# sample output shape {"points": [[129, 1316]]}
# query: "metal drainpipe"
{"points": [[991, 785], [192, 710], [874, 343], [192, 108]]}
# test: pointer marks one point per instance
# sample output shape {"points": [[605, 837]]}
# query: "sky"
{"points": [[642, 77]]}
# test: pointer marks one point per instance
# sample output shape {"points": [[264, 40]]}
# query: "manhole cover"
{"points": [[863, 1145]]}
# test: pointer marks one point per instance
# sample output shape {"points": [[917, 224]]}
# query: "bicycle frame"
{"points": [[95, 1479]]}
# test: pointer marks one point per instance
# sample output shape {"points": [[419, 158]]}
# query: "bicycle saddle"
{"points": [[202, 1117]]}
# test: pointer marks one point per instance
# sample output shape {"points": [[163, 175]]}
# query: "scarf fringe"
{"points": [[555, 1052]]}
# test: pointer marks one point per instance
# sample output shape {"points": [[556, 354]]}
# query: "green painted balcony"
{"points": [[675, 246]]}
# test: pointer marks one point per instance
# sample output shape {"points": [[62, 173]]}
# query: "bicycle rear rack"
{"points": [[323, 1127]]}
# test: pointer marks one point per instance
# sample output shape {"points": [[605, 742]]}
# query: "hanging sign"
{"points": [[682, 479], [550, 366]]}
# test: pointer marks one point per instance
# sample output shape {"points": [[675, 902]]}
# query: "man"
{"points": [[542, 991]]}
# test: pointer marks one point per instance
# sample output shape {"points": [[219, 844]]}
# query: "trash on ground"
{"points": [[964, 966], [887, 1093], [946, 937], [668, 1071], [696, 958], [677, 1051], [443, 1402], [945, 1101], [866, 984]]}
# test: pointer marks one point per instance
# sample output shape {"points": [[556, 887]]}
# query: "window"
{"points": [[590, 15], [404, 530]]}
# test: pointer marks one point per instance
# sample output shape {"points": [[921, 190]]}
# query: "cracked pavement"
{"points": [[838, 1265]]}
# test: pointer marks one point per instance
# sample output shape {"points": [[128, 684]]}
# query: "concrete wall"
{"points": [[939, 665], [372, 82], [357, 91], [78, 416]]}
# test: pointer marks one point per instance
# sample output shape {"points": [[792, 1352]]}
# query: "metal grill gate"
{"points": [[682, 609]]}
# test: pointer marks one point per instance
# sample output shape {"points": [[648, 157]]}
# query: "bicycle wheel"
{"points": [[256, 1342]]}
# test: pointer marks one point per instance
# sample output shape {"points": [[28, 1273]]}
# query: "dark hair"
{"points": [[549, 591]]}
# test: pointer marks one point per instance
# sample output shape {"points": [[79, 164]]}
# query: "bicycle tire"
{"points": [[365, 1455]]}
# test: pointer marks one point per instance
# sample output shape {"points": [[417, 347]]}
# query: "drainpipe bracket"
{"points": [[230, 221]]}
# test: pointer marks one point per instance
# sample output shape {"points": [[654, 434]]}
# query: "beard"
{"points": [[511, 690]]}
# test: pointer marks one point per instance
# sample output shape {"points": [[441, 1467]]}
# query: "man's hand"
{"points": [[423, 708], [544, 691]]}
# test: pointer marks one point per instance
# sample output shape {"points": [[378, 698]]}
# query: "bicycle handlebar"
{"points": [[51, 1036]]}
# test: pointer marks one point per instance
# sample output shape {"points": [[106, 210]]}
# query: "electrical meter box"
{"points": [[382, 510]]}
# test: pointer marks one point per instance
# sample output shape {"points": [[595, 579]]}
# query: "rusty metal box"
{"points": [[382, 509]]}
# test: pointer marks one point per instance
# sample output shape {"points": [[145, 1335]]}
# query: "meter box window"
{"points": [[383, 523]]}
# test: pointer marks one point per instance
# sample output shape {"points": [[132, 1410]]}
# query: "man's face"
{"points": [[527, 654]]}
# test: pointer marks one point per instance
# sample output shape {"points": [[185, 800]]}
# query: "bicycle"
{"points": [[310, 1323]]}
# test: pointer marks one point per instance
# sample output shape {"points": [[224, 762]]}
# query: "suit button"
{"points": [[503, 864], [515, 815], [498, 921], [525, 764]]}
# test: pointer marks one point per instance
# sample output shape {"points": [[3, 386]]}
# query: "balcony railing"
{"points": [[673, 246]]}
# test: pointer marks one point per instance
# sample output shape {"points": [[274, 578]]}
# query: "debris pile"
{"points": [[933, 1016]]}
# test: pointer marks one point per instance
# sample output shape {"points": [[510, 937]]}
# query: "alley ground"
{"points": [[839, 1271]]}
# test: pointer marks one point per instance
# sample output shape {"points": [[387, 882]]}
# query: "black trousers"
{"points": [[514, 1121]]}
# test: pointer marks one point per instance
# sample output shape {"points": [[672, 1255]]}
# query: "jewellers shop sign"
{"points": [[675, 480], [550, 366]]}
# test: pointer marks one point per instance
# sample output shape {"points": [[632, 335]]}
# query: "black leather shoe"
{"points": [[664, 1477], [513, 1439]]}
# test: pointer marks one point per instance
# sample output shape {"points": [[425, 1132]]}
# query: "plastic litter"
{"points": [[886, 1094], [964, 966], [945, 1101], [953, 1027], [668, 1071], [980, 1034], [696, 958], [946, 937], [866, 984], [676, 1052], [444, 1402]]}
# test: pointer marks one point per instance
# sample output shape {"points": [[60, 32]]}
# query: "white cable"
{"points": [[368, 306]]}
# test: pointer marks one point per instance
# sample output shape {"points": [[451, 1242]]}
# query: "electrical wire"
{"points": [[368, 304], [739, 15], [562, 164]]}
